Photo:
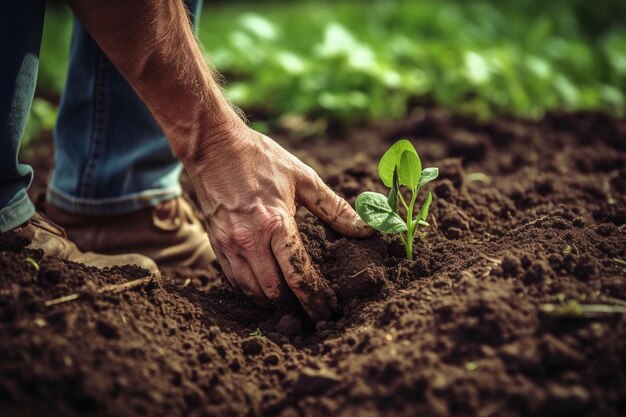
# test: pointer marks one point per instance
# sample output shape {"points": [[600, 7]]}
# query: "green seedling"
{"points": [[471, 366], [32, 263], [399, 167], [256, 333], [573, 308], [478, 176]]}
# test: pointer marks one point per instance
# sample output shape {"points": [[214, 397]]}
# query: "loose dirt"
{"points": [[525, 214]]}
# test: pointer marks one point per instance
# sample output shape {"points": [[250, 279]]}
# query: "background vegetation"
{"points": [[305, 64]]}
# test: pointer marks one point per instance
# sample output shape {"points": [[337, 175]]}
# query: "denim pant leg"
{"points": [[21, 25], [111, 156]]}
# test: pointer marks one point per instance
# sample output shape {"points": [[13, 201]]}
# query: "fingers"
{"points": [[245, 280], [315, 296], [268, 275], [268, 281], [320, 200]]}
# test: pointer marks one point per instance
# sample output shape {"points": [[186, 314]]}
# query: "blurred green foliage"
{"points": [[346, 61]]}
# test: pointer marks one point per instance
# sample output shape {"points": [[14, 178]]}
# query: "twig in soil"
{"points": [[111, 289], [574, 309], [399, 273], [622, 262], [492, 260], [358, 273], [61, 300], [614, 300], [433, 221], [607, 189], [529, 224], [488, 269]]}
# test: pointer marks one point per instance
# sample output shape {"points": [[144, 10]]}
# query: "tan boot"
{"points": [[169, 233], [53, 240]]}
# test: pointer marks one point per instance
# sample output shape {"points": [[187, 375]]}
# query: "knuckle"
{"points": [[286, 241], [311, 173], [221, 240], [336, 207], [270, 223], [244, 239], [309, 177], [342, 209]]}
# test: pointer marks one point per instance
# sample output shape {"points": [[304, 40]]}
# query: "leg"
{"points": [[111, 157], [115, 187], [21, 25]]}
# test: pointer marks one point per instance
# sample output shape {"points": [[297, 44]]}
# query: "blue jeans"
{"points": [[110, 155]]}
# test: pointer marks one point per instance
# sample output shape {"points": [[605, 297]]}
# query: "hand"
{"points": [[248, 187]]}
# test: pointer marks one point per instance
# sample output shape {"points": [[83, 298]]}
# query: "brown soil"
{"points": [[525, 213]]}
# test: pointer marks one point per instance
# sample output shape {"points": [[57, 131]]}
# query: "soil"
{"points": [[525, 214]]}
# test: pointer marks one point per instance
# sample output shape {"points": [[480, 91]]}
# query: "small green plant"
{"points": [[32, 263], [256, 333], [399, 167]]}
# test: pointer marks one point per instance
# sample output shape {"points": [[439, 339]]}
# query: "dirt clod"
{"points": [[251, 347], [313, 381], [289, 325]]}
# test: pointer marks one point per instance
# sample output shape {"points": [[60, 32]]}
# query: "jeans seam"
{"points": [[112, 205], [139, 196], [23, 203], [15, 206], [98, 130]]}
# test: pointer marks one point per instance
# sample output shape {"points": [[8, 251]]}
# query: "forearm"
{"points": [[153, 46]]}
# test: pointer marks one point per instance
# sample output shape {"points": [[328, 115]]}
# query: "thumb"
{"points": [[320, 200]]}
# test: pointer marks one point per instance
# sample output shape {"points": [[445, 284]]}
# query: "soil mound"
{"points": [[527, 229]]}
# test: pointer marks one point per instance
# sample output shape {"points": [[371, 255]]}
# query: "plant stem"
{"points": [[409, 226]]}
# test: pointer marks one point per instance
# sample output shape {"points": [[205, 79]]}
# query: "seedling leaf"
{"points": [[376, 212], [471, 366], [409, 169], [256, 333], [428, 174], [393, 193], [424, 211], [390, 160], [33, 263]]}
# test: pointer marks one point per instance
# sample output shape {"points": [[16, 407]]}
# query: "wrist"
{"points": [[210, 141], [206, 135]]}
